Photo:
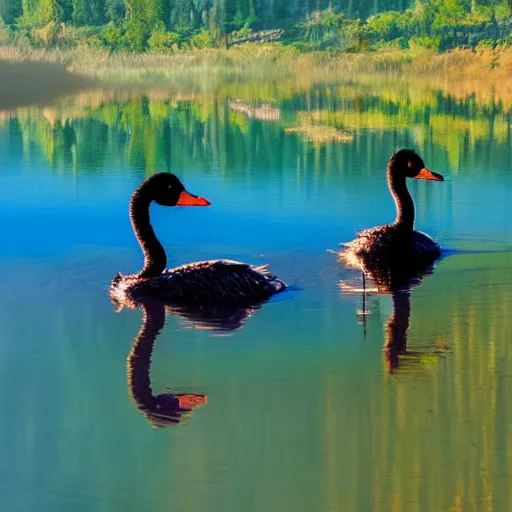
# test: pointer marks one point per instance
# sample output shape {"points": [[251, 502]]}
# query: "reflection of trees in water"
{"points": [[162, 131], [469, 417], [443, 442]]}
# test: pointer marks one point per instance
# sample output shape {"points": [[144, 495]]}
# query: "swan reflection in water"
{"points": [[396, 329], [396, 355], [389, 280], [170, 409], [399, 283]]}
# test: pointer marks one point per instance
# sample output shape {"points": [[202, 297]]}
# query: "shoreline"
{"points": [[39, 76]]}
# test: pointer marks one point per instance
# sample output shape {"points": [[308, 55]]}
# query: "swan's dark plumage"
{"points": [[395, 253], [205, 282], [392, 255]]}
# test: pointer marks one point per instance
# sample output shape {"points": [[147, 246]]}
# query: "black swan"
{"points": [[202, 283], [394, 253]]}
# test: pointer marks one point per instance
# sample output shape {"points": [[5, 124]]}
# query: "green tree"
{"points": [[148, 12], [143, 16], [115, 10], [449, 13], [80, 12], [29, 10], [66, 9], [49, 11], [10, 10], [38, 13], [88, 12]]}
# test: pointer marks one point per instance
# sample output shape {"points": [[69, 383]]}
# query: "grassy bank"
{"points": [[273, 59], [458, 72]]}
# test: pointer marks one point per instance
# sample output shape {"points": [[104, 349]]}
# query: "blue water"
{"points": [[302, 413]]}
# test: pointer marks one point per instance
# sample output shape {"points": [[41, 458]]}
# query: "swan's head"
{"points": [[408, 163], [167, 190]]}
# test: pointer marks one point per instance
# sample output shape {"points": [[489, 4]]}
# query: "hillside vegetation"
{"points": [[168, 26]]}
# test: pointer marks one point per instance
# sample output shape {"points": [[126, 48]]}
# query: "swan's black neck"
{"points": [[155, 259], [403, 200], [139, 359], [397, 326]]}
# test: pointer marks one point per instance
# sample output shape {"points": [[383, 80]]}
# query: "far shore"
{"points": [[38, 76]]}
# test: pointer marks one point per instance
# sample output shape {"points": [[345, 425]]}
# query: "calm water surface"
{"points": [[303, 413]]}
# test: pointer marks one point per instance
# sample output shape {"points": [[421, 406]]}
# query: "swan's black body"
{"points": [[395, 253], [392, 256], [205, 282]]}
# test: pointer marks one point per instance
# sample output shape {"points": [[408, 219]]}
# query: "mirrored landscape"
{"points": [[318, 400]]}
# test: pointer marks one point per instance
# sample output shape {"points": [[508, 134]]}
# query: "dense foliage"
{"points": [[169, 25]]}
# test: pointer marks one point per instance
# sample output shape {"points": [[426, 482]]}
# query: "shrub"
{"points": [[5, 32], [406, 23], [506, 41], [305, 46], [163, 41], [425, 42], [484, 44], [383, 25], [46, 36], [21, 40], [202, 39], [400, 43], [503, 11], [111, 36], [135, 37], [354, 36]]}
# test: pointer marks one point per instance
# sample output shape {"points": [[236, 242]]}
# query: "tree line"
{"points": [[170, 25]]}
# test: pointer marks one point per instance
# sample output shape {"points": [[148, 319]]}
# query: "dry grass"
{"points": [[154, 67], [487, 73]]}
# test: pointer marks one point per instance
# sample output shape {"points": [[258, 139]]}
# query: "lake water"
{"points": [[303, 413]]}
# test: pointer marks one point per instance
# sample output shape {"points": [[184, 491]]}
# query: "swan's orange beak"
{"points": [[425, 174], [187, 199], [191, 401]]}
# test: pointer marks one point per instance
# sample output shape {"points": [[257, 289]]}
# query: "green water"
{"points": [[302, 412]]}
